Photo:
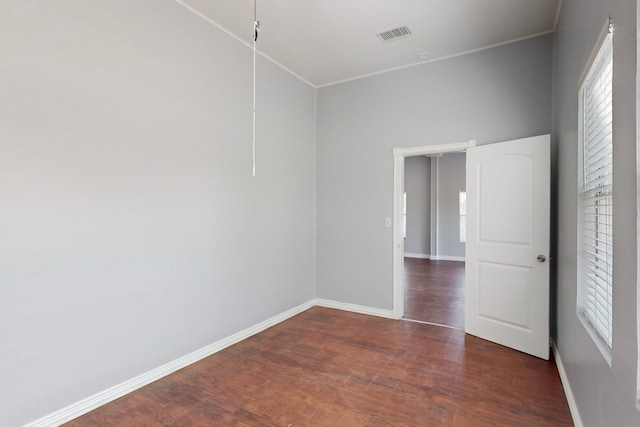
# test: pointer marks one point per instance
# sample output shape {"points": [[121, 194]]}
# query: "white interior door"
{"points": [[507, 251]]}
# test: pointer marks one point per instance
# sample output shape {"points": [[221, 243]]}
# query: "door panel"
{"points": [[511, 225], [507, 288], [503, 294]]}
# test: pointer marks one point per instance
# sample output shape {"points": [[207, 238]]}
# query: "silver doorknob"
{"points": [[541, 258]]}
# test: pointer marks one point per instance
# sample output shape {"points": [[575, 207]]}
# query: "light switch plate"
{"points": [[387, 222]]}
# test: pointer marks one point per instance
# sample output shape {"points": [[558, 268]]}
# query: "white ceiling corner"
{"points": [[328, 41]]}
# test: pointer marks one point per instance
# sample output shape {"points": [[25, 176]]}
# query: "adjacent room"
{"points": [[434, 233], [203, 211]]}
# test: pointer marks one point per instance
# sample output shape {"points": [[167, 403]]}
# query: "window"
{"points": [[404, 215], [463, 215], [595, 204]]}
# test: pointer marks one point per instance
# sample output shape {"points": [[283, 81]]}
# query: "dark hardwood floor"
{"points": [[327, 367], [434, 291]]}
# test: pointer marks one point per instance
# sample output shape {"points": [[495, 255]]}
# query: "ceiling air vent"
{"points": [[394, 34]]}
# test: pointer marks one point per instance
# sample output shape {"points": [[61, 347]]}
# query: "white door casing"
{"points": [[507, 250], [399, 154]]}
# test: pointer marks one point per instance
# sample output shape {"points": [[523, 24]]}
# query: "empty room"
{"points": [[202, 212]]}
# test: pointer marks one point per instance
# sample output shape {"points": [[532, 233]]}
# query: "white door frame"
{"points": [[399, 155]]}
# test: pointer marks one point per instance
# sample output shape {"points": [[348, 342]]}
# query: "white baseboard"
{"points": [[434, 257], [379, 312], [413, 255], [102, 398], [447, 258], [567, 387]]}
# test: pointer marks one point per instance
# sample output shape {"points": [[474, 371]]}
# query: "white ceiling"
{"points": [[328, 41]]}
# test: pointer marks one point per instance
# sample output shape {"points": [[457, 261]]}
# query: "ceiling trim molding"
{"points": [[248, 45], [557, 18], [442, 58]]}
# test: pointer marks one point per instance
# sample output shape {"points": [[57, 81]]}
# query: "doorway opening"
{"points": [[437, 263], [434, 238]]}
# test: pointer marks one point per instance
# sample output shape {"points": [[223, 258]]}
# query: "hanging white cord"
{"points": [[256, 27]]}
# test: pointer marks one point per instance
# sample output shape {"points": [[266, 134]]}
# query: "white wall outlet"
{"points": [[387, 222]]}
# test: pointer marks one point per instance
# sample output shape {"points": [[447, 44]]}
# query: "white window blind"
{"points": [[462, 199], [404, 215], [596, 193]]}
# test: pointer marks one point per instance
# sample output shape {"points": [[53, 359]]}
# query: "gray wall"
{"points": [[451, 179], [494, 95], [605, 395], [417, 184], [132, 232]]}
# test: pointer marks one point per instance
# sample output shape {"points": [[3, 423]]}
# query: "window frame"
{"points": [[404, 215], [595, 194], [462, 213]]}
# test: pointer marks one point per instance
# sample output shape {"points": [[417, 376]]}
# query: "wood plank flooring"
{"points": [[327, 367], [434, 291]]}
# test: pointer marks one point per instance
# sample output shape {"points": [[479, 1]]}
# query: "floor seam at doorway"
{"points": [[432, 324]]}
